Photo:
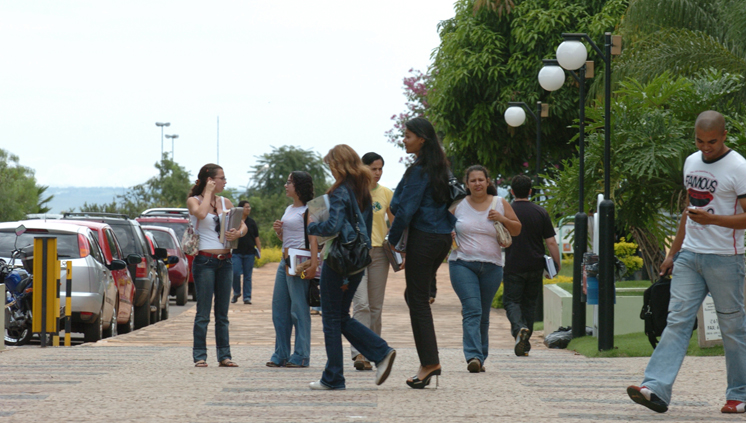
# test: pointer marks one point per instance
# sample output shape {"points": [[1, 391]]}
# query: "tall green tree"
{"points": [[653, 133], [18, 190], [490, 53], [272, 169], [683, 37]]}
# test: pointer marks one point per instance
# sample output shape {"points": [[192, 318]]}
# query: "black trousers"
{"points": [[520, 291], [425, 254]]}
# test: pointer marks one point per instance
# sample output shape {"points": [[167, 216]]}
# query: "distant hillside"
{"points": [[72, 198]]}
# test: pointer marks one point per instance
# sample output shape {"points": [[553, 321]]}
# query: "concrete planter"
{"points": [[558, 312]]}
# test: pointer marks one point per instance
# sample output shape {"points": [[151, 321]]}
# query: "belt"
{"points": [[217, 256]]}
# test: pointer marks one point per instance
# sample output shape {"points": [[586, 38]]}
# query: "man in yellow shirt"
{"points": [[368, 300]]}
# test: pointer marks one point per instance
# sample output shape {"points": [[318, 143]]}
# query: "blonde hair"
{"points": [[347, 167]]}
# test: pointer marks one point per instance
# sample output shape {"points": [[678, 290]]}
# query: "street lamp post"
{"points": [[515, 116], [172, 144], [552, 78], [161, 124], [571, 55]]}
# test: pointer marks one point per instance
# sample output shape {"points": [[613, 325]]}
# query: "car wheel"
{"points": [[130, 325], [112, 331], [94, 331], [165, 311], [182, 294], [142, 315], [155, 316]]}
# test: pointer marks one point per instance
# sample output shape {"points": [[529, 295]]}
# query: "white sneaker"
{"points": [[318, 386], [384, 367]]}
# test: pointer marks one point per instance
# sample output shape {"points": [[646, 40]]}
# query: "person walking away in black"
{"points": [[524, 263], [420, 204], [243, 256]]}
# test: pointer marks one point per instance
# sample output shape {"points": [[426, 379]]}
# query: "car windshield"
{"points": [[178, 227], [164, 240], [67, 243]]}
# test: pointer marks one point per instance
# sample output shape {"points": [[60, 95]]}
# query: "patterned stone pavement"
{"points": [[148, 376]]}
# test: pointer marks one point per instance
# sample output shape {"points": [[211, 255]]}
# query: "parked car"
{"points": [[178, 273], [132, 240], [161, 257], [125, 285], [176, 219], [94, 297]]}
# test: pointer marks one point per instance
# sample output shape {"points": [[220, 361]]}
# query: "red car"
{"points": [[126, 288], [178, 273], [178, 220]]}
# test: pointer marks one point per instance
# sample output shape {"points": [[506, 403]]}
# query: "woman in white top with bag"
{"points": [[212, 267], [476, 265]]}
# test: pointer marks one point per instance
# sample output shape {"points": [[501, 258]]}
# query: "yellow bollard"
{"points": [[45, 263]]}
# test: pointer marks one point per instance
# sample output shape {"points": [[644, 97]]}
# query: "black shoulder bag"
{"points": [[314, 293], [456, 188], [352, 257]]}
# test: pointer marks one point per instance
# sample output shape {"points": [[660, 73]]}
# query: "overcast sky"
{"points": [[83, 82]]}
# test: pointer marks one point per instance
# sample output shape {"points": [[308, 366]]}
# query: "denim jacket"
{"points": [[413, 204], [342, 206]]}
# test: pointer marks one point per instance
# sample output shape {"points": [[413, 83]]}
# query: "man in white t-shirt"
{"points": [[706, 256]]}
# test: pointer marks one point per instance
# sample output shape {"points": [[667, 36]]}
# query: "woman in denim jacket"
{"points": [[420, 205], [347, 197]]}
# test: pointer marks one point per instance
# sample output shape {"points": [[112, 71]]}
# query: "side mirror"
{"points": [[161, 253], [173, 259], [117, 265], [134, 259]]}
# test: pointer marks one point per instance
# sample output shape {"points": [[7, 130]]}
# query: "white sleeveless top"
{"points": [[208, 237], [475, 235]]}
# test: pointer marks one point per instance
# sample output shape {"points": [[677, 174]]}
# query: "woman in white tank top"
{"points": [[476, 265], [212, 267]]}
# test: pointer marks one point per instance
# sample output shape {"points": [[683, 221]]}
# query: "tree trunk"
{"points": [[652, 252]]}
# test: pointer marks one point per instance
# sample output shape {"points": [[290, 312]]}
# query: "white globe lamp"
{"points": [[515, 116], [552, 77], [571, 55]]}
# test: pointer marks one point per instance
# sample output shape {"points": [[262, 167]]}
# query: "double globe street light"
{"points": [[162, 124], [551, 78], [515, 116], [172, 144], [572, 55]]}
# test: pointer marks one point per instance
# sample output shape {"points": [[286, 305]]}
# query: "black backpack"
{"points": [[655, 309]]}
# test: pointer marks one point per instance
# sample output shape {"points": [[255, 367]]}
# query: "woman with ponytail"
{"points": [[212, 266]]}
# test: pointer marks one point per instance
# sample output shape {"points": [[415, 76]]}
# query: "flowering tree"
{"points": [[416, 87]]}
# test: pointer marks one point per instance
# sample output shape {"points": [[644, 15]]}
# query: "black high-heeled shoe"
{"points": [[418, 383]]}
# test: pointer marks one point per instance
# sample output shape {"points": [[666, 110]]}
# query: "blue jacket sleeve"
{"points": [[408, 198], [337, 202]]}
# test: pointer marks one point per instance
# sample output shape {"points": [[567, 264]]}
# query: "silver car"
{"points": [[94, 291]]}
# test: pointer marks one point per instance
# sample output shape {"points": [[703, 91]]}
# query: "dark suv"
{"points": [[132, 240]]}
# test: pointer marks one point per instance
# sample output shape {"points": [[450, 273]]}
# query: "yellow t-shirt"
{"points": [[381, 200]]}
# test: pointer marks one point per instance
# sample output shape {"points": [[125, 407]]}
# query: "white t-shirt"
{"points": [[715, 187], [475, 235], [292, 227]]}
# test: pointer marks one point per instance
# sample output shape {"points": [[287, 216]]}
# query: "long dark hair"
{"points": [[303, 183], [208, 171], [491, 190], [432, 158], [347, 167]]}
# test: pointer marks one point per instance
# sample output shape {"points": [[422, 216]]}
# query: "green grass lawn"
{"points": [[634, 345]]}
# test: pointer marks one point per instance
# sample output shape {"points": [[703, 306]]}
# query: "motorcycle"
{"points": [[18, 299]]}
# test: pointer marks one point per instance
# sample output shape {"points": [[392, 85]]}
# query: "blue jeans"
{"points": [[242, 263], [290, 309], [335, 315], [694, 275], [476, 284], [212, 277]]}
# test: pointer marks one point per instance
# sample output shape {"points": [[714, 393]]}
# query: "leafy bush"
{"points": [[627, 254], [269, 255]]}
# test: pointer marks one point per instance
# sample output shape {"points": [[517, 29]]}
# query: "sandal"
{"points": [[228, 363], [273, 364], [200, 363]]}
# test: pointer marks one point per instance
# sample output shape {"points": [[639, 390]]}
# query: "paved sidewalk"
{"points": [[148, 375]]}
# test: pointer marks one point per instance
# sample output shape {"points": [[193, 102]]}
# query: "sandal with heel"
{"points": [[418, 383]]}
